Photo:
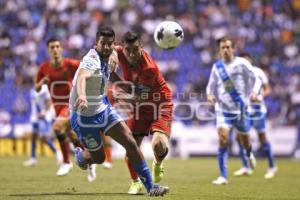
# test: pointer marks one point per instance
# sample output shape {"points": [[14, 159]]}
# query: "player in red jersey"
{"points": [[57, 73], [153, 107]]}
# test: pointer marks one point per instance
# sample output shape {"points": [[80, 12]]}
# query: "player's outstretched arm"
{"points": [[81, 101], [38, 84], [126, 86]]}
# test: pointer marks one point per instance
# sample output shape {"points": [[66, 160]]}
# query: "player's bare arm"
{"points": [[211, 98], [81, 102], [124, 90], [113, 61], [267, 90], [38, 85]]}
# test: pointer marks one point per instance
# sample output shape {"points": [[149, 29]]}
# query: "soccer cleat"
{"points": [[59, 158], [157, 172], [107, 165], [271, 173], [158, 190], [91, 170], [136, 187], [252, 161], [244, 171], [64, 169], [30, 163], [79, 160], [220, 181]]}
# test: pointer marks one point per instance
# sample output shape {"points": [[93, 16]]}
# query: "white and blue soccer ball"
{"points": [[168, 34]]}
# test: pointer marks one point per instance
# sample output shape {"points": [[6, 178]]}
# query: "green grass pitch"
{"points": [[188, 179]]}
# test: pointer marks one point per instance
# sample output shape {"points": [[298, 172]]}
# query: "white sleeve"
{"points": [[263, 77], [46, 92], [212, 82], [250, 70], [50, 114], [89, 63]]}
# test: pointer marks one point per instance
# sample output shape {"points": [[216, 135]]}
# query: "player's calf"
{"points": [[160, 146]]}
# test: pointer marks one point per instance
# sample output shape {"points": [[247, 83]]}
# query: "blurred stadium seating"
{"points": [[268, 30]]}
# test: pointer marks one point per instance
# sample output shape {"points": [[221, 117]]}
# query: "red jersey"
{"points": [[146, 77], [61, 77]]}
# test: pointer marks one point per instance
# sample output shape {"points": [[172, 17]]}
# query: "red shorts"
{"points": [[145, 123], [62, 111]]}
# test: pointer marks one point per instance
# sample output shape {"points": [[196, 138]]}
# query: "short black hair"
{"points": [[131, 37], [106, 31], [223, 39], [52, 39]]}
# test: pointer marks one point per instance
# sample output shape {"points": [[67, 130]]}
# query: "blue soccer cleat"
{"points": [[79, 160]]}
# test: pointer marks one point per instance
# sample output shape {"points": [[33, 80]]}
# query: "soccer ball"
{"points": [[168, 34]]}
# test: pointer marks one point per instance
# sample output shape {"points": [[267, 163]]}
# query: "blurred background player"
{"points": [[295, 100], [153, 107], [229, 89], [92, 114], [42, 117], [257, 112], [57, 73]]}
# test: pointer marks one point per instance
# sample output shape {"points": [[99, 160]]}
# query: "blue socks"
{"points": [[298, 137], [51, 145], [242, 156], [222, 159], [268, 152], [33, 148], [144, 174]]}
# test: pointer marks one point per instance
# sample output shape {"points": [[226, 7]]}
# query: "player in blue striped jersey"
{"points": [[230, 90]]}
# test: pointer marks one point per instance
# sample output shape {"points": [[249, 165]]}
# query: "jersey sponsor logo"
{"points": [[228, 85], [90, 142]]}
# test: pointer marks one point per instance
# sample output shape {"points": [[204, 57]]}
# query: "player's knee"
{"points": [[262, 137], [131, 147], [223, 138], [59, 126], [159, 147], [160, 144]]}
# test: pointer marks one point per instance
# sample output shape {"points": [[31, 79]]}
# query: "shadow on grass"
{"points": [[68, 194]]}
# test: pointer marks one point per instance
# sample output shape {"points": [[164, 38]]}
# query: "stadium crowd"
{"points": [[268, 30]]}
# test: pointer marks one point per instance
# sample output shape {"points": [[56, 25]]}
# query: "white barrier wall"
{"points": [[197, 141], [202, 140]]}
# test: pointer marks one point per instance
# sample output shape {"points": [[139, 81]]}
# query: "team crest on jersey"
{"points": [[228, 85], [65, 74], [90, 142]]}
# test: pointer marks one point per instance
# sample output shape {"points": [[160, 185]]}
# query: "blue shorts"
{"points": [[88, 129], [42, 127], [230, 120], [258, 121]]}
